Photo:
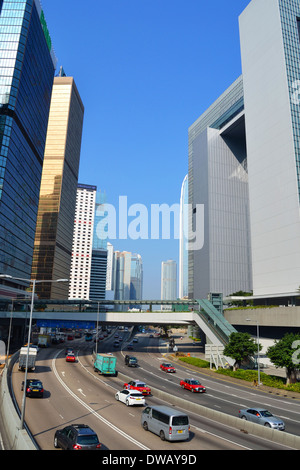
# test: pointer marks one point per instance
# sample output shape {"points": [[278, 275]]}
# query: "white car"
{"points": [[130, 397]]}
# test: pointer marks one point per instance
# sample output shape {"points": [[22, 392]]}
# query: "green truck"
{"points": [[105, 364]]}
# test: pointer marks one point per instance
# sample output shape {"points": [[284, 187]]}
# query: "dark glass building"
{"points": [[27, 67]]}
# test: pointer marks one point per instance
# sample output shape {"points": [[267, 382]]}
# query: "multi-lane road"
{"points": [[74, 393]]}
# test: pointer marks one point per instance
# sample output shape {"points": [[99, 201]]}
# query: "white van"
{"points": [[166, 422]]}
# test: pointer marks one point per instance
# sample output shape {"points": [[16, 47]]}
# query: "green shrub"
{"points": [[195, 361]]}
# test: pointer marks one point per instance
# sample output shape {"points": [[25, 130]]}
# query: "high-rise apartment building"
{"points": [[27, 66], [82, 248], [55, 221], [169, 280]]}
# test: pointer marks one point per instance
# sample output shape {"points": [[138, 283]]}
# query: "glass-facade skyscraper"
{"points": [[27, 67], [55, 221]]}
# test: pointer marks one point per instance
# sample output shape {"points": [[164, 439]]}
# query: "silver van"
{"points": [[166, 422]]}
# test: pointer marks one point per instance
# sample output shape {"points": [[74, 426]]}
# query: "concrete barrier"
{"points": [[273, 435], [15, 437]]}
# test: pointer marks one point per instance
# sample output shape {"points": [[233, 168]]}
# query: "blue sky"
{"points": [[145, 70]]}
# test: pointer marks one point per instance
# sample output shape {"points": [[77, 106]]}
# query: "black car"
{"points": [[34, 388], [76, 437]]}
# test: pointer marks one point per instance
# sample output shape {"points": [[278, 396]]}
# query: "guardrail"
{"points": [[15, 437]]}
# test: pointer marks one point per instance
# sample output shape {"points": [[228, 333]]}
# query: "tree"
{"points": [[284, 353], [240, 347]]}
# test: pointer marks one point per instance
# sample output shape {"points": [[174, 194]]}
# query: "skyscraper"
{"points": [[169, 280], [270, 50], [82, 248], [218, 181], [27, 67], [128, 276], [183, 241], [55, 221]]}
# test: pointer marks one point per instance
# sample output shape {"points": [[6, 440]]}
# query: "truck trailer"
{"points": [[105, 364], [31, 358]]}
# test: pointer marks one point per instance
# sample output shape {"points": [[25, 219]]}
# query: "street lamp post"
{"points": [[34, 282], [258, 364]]}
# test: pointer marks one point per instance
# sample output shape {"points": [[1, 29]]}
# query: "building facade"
{"points": [[55, 221], [27, 67]]}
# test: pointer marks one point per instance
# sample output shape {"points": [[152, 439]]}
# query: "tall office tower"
{"points": [[27, 66], [270, 49], [218, 183], [136, 281], [55, 221], [183, 241], [82, 248], [169, 280], [128, 276]]}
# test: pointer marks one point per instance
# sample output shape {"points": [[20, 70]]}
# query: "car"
{"points": [[130, 347], [167, 367], [70, 358], [76, 437], [135, 340], [193, 385], [116, 344], [262, 416], [138, 385], [130, 397], [34, 388]]}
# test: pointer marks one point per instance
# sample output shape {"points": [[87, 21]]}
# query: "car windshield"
{"points": [[195, 382], [266, 414], [168, 365], [87, 440], [140, 384]]}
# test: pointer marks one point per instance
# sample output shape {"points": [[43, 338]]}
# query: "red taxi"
{"points": [[167, 367], [138, 385], [70, 358], [193, 385]]}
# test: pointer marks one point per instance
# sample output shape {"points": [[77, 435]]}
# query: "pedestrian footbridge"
{"points": [[184, 312]]}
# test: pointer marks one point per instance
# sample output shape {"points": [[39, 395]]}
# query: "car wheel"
{"points": [[145, 426], [267, 425], [117, 397], [127, 403], [56, 443], [162, 436], [244, 417]]}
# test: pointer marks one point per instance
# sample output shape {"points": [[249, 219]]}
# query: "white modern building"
{"points": [[270, 49], [244, 165]]}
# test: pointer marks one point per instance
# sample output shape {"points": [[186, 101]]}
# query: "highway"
{"points": [[74, 393]]}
